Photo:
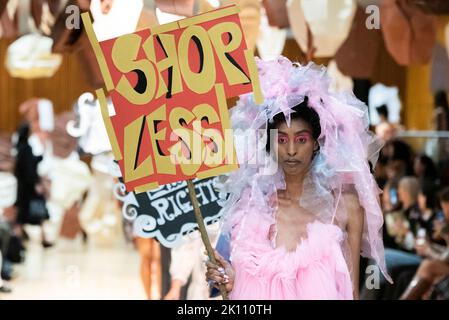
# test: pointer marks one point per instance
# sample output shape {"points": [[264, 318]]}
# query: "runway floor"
{"points": [[71, 270]]}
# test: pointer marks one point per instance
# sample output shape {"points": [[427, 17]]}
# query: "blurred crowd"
{"points": [[57, 175], [55, 169], [415, 202], [49, 182]]}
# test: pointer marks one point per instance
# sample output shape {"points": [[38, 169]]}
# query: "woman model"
{"points": [[304, 205]]}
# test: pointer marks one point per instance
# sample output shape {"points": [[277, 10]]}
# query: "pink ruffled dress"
{"points": [[315, 270]]}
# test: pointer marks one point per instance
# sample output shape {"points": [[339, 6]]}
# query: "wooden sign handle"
{"points": [[203, 232]]}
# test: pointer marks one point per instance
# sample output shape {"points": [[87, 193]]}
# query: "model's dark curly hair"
{"points": [[301, 111]]}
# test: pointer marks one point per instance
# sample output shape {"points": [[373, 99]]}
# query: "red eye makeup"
{"points": [[300, 138], [303, 137], [282, 139]]}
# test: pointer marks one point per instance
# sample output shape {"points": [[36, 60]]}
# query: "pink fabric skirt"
{"points": [[315, 270]]}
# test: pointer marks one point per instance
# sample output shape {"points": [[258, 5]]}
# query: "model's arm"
{"points": [[220, 272], [354, 230]]}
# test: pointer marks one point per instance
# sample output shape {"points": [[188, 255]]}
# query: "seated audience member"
{"points": [[425, 169], [436, 265], [398, 163]]}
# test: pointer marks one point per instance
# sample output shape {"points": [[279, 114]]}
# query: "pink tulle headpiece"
{"points": [[347, 149]]}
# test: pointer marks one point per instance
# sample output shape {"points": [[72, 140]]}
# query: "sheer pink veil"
{"points": [[347, 150]]}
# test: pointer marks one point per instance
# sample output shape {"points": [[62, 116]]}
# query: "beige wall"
{"points": [[63, 89]]}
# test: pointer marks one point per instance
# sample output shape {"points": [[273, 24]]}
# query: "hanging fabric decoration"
{"points": [[249, 17], [271, 41], [30, 57], [276, 11], [67, 29], [8, 19], [329, 22], [433, 6], [120, 18], [44, 14], [357, 57], [180, 7], [89, 127], [409, 34]]}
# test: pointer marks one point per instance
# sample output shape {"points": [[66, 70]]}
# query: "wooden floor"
{"points": [[71, 270]]}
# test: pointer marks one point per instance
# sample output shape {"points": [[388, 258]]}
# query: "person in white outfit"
{"points": [[187, 260]]}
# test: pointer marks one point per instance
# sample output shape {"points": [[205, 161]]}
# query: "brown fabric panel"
{"points": [[8, 26], [409, 33], [54, 6], [65, 40], [88, 60], [276, 11], [432, 6], [3, 4], [358, 55], [36, 11]]}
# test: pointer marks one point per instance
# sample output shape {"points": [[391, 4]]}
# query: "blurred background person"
{"points": [[149, 253], [385, 129], [31, 189], [435, 266], [425, 170], [441, 123], [398, 157], [187, 266]]}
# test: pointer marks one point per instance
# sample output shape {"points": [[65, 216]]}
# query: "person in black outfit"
{"points": [[29, 187]]}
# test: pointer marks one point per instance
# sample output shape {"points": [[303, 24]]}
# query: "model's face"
{"points": [[295, 145]]}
